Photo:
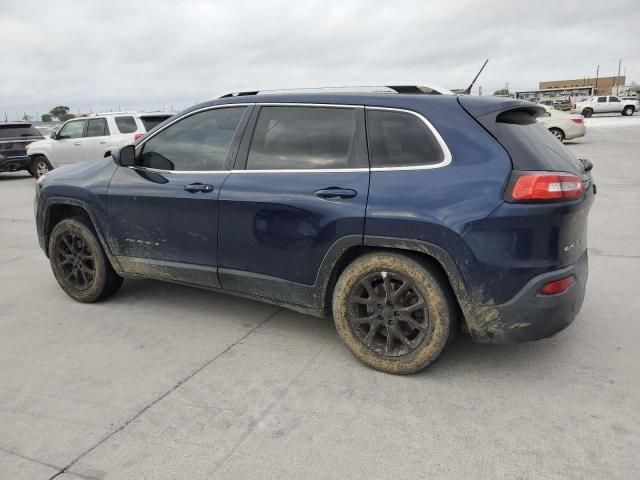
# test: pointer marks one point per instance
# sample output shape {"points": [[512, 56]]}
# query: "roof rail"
{"points": [[423, 88], [129, 112]]}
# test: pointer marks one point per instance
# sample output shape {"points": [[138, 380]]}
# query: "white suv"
{"points": [[90, 138]]}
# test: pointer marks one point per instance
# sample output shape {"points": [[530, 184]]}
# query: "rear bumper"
{"points": [[530, 316], [10, 164]]}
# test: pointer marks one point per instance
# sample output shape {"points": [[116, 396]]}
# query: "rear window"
{"points": [[530, 145], [399, 139], [150, 122], [126, 124], [19, 131]]}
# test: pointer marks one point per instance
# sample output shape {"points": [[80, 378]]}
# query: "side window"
{"points": [[399, 139], [614, 99], [602, 99], [72, 129], [126, 124], [97, 127], [198, 142], [304, 138]]}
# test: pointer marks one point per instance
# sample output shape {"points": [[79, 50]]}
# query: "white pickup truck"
{"points": [[90, 138], [605, 104]]}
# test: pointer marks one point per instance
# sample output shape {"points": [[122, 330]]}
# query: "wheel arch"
{"points": [[429, 254], [57, 209]]}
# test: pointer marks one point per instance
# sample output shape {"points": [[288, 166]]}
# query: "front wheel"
{"points": [[39, 166], [392, 312], [79, 263], [628, 111]]}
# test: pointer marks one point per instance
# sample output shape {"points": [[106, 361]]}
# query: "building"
{"points": [[602, 85]]}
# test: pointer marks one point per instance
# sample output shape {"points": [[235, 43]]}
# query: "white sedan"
{"points": [[563, 125]]}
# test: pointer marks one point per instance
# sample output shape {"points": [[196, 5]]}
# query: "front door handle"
{"points": [[198, 187], [77, 143], [335, 193]]}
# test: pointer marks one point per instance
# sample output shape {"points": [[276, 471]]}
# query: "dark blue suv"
{"points": [[405, 216]]}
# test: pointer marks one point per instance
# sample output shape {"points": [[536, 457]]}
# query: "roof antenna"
{"points": [[468, 90]]}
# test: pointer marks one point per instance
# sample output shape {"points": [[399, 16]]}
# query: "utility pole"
{"points": [[618, 79], [597, 75]]}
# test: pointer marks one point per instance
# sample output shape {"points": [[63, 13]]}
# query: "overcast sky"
{"points": [[101, 55]]}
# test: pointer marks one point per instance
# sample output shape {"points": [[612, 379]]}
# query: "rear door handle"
{"points": [[335, 193], [198, 187], [77, 143]]}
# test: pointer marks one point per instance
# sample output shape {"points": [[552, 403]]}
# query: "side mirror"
{"points": [[125, 156], [54, 135]]}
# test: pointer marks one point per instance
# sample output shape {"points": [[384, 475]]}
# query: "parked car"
{"points": [[92, 137], [14, 138], [565, 126], [606, 104], [405, 216]]}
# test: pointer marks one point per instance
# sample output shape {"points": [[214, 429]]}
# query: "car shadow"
{"points": [[461, 357], [15, 176]]}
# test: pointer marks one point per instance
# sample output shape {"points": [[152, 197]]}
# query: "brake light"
{"points": [[557, 286], [541, 186], [137, 136], [576, 120]]}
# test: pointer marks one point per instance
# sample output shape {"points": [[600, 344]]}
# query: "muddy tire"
{"points": [[393, 312], [79, 262]]}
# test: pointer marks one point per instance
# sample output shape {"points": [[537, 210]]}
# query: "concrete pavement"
{"points": [[164, 381]]}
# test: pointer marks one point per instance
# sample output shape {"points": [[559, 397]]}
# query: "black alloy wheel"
{"points": [[388, 314]]}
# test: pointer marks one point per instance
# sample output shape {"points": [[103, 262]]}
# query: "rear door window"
{"points": [[614, 99], [399, 139], [97, 127], [304, 138], [126, 124]]}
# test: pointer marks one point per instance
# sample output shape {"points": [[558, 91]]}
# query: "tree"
{"points": [[502, 91], [66, 116], [60, 111], [26, 118], [47, 117]]}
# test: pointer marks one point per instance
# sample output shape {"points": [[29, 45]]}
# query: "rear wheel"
{"points": [[559, 134], [587, 112], [40, 166], [393, 313], [628, 110], [79, 263]]}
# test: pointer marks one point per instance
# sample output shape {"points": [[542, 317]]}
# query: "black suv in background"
{"points": [[14, 138]]}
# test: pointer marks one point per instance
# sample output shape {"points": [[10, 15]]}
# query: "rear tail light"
{"points": [[137, 136], [544, 186], [557, 286], [576, 120]]}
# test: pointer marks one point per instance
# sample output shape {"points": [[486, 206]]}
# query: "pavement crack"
{"points": [[29, 459], [164, 395]]}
